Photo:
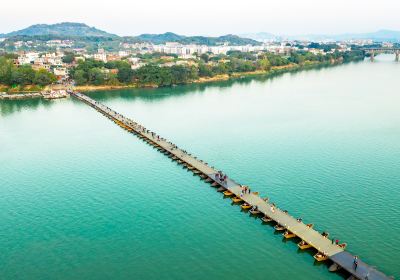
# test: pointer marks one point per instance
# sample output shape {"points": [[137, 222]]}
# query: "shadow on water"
{"points": [[9, 107]]}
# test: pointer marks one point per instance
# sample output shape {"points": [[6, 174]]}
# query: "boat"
{"points": [[254, 211], [343, 245], [287, 234], [215, 184], [255, 193], [209, 180], [228, 193], [303, 245], [279, 227], [245, 206], [266, 219], [221, 189], [334, 267], [320, 257], [237, 199]]}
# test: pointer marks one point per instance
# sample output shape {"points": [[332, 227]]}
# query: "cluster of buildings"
{"points": [[187, 53], [52, 62], [190, 51]]}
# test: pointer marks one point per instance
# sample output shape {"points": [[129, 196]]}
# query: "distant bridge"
{"points": [[374, 51]]}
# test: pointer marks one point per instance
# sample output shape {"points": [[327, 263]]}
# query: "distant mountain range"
{"points": [[80, 30], [379, 36], [69, 30]]}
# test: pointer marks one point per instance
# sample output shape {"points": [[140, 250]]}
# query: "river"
{"points": [[82, 199]]}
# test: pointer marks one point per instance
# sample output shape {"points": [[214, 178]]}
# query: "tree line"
{"points": [[119, 72]]}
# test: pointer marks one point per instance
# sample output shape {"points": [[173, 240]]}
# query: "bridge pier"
{"points": [[372, 56]]}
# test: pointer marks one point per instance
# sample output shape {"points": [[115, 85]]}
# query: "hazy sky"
{"points": [[207, 17]]}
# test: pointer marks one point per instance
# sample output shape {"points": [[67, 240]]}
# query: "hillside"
{"points": [[70, 30], [67, 29], [200, 40]]}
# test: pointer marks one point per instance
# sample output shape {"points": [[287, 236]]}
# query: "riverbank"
{"points": [[218, 78], [31, 91]]}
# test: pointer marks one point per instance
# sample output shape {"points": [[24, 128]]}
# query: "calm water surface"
{"points": [[82, 199]]}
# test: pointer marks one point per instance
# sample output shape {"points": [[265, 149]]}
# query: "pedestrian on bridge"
{"points": [[355, 262]]}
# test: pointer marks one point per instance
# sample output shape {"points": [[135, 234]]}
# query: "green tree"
{"points": [[43, 77], [80, 77], [23, 75], [96, 76], [263, 64], [125, 73], [68, 58], [6, 69]]}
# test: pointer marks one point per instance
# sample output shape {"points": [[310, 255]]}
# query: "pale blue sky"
{"points": [[207, 17]]}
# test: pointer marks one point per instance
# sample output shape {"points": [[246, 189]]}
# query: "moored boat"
{"points": [[221, 189], [279, 227], [245, 206], [303, 245], [287, 234], [320, 256], [266, 219], [254, 211], [334, 267], [228, 193], [237, 199]]}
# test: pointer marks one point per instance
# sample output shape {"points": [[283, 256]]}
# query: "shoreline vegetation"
{"points": [[91, 75], [274, 71]]}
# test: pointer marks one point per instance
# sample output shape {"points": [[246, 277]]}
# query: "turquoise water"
{"points": [[83, 199]]}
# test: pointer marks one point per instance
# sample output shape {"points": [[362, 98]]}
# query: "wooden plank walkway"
{"points": [[301, 230]]}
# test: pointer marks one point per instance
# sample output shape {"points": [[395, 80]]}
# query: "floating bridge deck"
{"points": [[307, 234]]}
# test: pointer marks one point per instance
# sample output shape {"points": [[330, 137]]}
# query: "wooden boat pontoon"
{"points": [[279, 227], [320, 257], [237, 199], [334, 267], [245, 206], [303, 245], [266, 219], [254, 211], [228, 193], [287, 234]]}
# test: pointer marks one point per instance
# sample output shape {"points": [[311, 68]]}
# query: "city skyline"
{"points": [[208, 18]]}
